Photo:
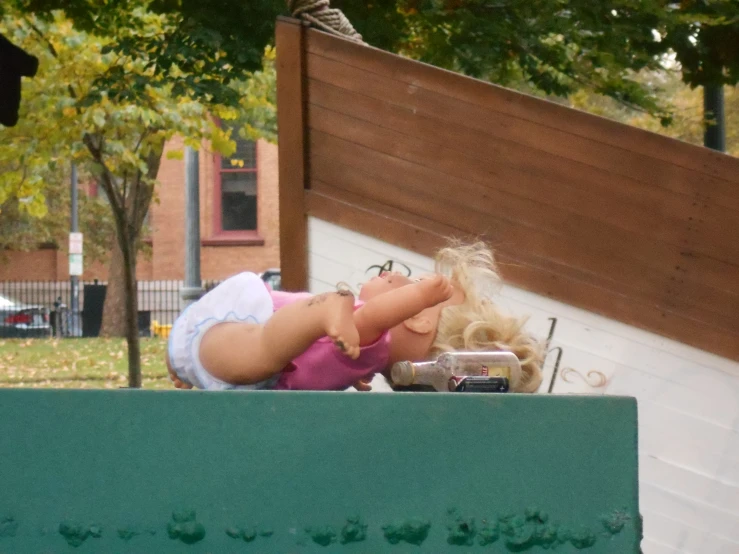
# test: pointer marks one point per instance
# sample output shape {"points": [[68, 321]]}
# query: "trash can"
{"points": [[144, 323]]}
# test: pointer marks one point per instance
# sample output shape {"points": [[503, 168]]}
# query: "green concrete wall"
{"points": [[280, 472]]}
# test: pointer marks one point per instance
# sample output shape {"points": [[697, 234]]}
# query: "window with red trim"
{"points": [[236, 191]]}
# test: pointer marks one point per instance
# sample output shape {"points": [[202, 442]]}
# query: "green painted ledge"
{"points": [[279, 472]]}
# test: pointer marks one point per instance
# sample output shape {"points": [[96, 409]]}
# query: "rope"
{"points": [[321, 15]]}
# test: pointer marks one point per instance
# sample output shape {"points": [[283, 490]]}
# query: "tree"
{"points": [[22, 231], [557, 47], [688, 120], [48, 224], [258, 101], [562, 47], [548, 49], [112, 113], [704, 36], [238, 31]]}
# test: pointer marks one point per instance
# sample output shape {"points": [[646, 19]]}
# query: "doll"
{"points": [[243, 335]]}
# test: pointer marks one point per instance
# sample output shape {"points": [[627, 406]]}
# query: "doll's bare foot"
{"points": [[340, 327]]}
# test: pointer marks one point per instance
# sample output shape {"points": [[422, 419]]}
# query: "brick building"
{"points": [[239, 226]]}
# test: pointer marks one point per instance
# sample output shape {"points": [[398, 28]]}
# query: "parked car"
{"points": [[273, 278], [23, 320]]}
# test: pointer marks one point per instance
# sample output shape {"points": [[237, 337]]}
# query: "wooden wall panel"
{"points": [[600, 215], [420, 77], [616, 271], [291, 121]]}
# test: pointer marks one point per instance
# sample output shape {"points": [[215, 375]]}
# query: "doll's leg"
{"points": [[245, 353]]}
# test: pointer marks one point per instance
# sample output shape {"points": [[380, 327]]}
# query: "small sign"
{"points": [[75, 264], [75, 243]]}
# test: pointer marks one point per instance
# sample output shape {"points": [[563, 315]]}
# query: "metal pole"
{"points": [[192, 289], [713, 113], [74, 280]]}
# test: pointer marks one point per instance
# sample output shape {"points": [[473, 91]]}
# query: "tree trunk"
{"points": [[129, 201], [714, 119], [131, 311], [114, 310]]}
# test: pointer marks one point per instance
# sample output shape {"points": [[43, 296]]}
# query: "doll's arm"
{"points": [[392, 308]]}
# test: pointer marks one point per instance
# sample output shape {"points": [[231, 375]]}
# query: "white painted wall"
{"points": [[688, 399]]}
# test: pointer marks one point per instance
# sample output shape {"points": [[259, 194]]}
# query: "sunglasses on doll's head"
{"points": [[388, 266]]}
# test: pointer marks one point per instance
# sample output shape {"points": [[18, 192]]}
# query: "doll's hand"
{"points": [[363, 385], [178, 383], [436, 289]]}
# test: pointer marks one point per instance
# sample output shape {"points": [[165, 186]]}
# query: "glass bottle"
{"points": [[446, 371]]}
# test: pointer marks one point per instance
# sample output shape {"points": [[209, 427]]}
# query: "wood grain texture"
{"points": [[510, 222], [292, 155], [418, 77]]}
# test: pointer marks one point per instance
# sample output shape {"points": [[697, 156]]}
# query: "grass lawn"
{"points": [[79, 363]]}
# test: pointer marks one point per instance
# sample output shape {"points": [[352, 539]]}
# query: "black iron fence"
{"points": [[43, 308]]}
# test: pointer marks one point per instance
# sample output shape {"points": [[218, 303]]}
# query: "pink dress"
{"points": [[323, 366]]}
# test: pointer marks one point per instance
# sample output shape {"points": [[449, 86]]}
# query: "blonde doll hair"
{"points": [[477, 324]]}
